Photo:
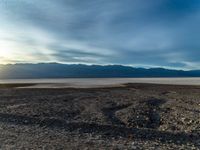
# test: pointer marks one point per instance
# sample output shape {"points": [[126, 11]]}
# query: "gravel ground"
{"points": [[137, 116]]}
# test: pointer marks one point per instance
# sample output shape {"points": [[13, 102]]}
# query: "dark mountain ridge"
{"points": [[56, 70]]}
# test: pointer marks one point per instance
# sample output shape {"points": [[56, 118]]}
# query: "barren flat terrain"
{"points": [[133, 116], [97, 82]]}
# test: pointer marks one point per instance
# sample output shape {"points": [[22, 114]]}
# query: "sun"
{"points": [[6, 52]]}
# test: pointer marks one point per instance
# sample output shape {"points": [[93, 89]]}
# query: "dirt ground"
{"points": [[137, 116]]}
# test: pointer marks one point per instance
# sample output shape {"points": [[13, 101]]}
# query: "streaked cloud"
{"points": [[150, 33]]}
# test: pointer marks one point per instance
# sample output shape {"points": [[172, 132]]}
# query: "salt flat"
{"points": [[98, 82]]}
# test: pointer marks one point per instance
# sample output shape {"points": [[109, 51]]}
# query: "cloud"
{"points": [[131, 32]]}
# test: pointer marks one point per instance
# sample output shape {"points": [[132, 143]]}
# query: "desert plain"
{"points": [[132, 116]]}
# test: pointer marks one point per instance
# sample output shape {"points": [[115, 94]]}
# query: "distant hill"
{"points": [[55, 70]]}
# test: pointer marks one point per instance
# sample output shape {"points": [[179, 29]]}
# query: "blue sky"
{"points": [[142, 33]]}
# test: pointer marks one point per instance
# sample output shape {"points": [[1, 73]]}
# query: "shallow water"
{"points": [[101, 82]]}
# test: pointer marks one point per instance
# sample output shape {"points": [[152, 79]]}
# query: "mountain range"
{"points": [[56, 70]]}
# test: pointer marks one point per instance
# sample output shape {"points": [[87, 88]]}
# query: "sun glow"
{"points": [[6, 53]]}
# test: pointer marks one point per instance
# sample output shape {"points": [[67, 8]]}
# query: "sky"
{"points": [[139, 33]]}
